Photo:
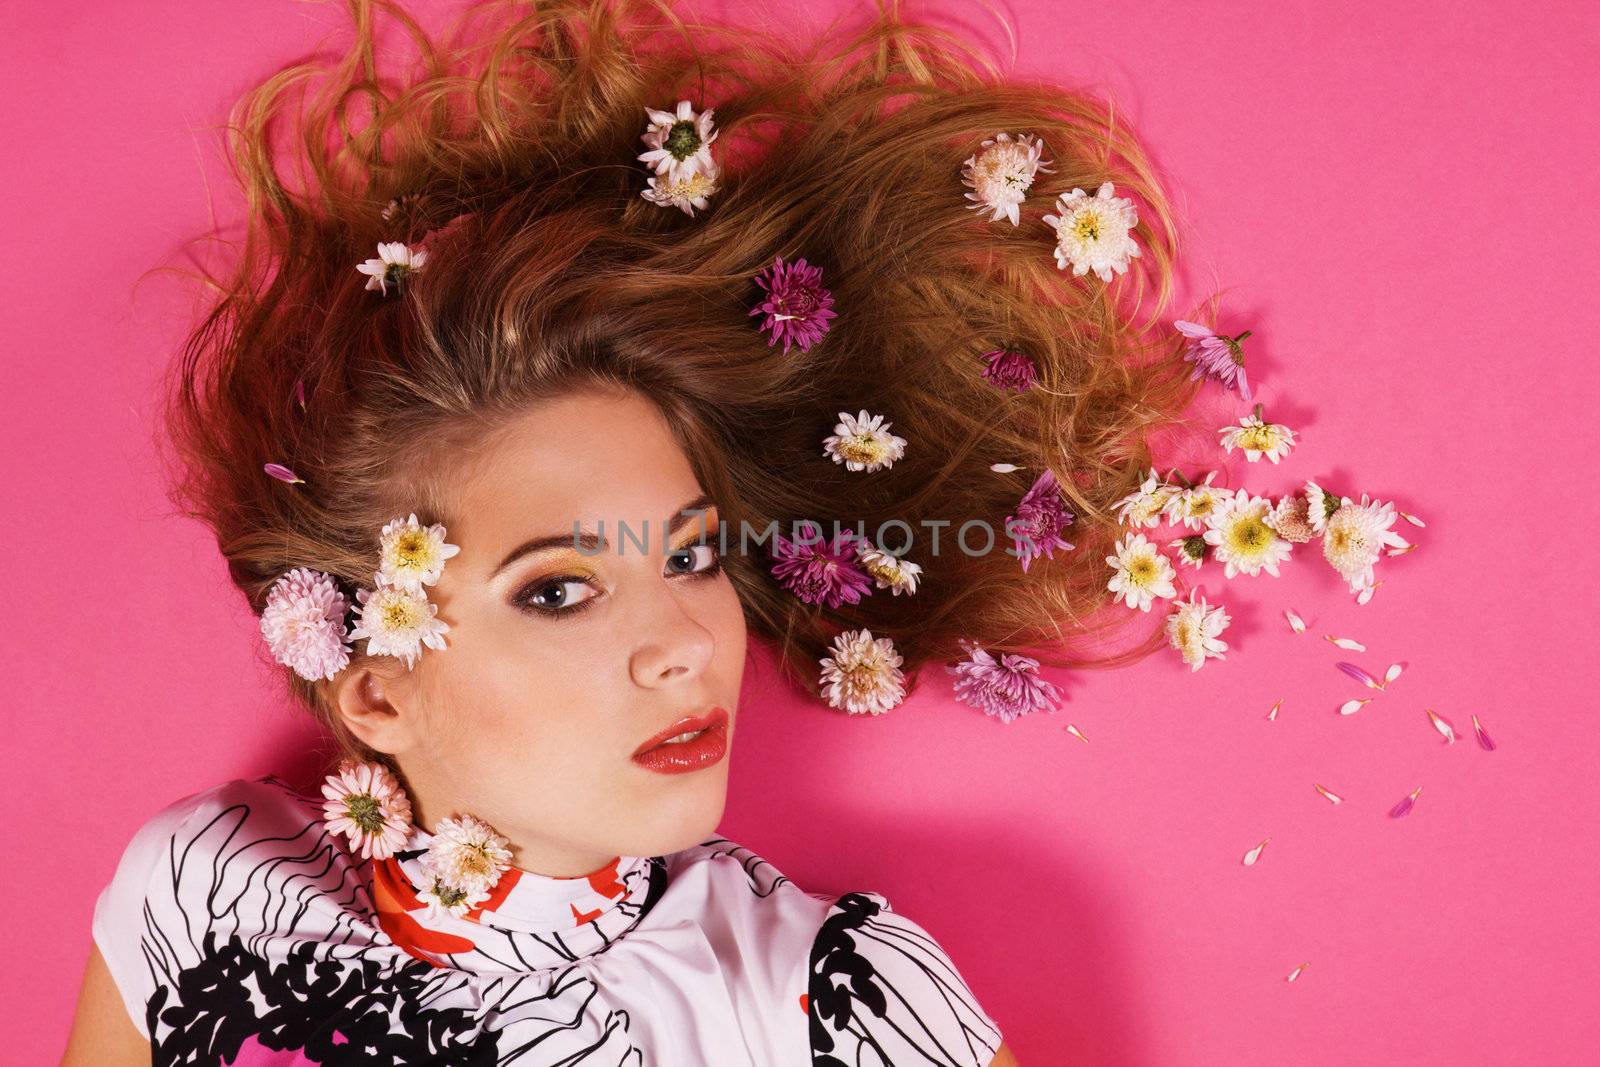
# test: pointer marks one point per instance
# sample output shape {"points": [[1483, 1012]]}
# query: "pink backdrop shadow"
{"points": [[1401, 200]]}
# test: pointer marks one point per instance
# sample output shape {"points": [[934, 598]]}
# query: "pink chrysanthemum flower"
{"points": [[1006, 369], [1215, 355], [303, 624], [1006, 688], [367, 805], [797, 307], [1000, 174], [819, 571], [1041, 516]]}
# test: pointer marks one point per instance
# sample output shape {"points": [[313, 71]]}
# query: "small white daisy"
{"points": [[679, 143], [1145, 505], [1142, 573], [397, 622], [1356, 536], [411, 555], [1191, 551], [1257, 438], [1191, 506], [1320, 505], [863, 442], [863, 675], [1193, 628], [465, 852], [396, 260], [889, 571], [364, 802], [684, 193], [1000, 174], [442, 898], [1094, 232], [1241, 539], [303, 624]]}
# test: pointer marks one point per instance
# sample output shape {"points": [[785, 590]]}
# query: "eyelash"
{"points": [[524, 598]]}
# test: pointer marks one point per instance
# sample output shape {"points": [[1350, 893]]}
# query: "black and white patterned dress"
{"points": [[241, 932]]}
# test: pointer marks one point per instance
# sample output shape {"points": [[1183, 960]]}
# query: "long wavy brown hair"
{"points": [[511, 143]]}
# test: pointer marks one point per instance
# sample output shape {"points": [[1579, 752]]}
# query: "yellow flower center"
{"points": [[1087, 227], [1250, 535], [863, 449], [398, 614]]}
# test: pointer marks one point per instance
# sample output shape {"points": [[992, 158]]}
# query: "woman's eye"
{"points": [[553, 596], [685, 560]]}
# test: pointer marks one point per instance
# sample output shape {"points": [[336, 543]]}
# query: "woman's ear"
{"points": [[366, 702]]}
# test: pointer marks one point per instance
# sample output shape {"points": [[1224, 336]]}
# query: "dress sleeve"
{"points": [[883, 993], [120, 926]]}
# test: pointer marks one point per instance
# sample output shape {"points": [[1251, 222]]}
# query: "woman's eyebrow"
{"points": [[590, 542]]}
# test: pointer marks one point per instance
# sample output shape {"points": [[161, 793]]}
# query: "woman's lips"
{"points": [[683, 756]]}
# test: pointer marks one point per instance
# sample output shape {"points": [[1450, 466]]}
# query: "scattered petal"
{"points": [[282, 473], [1272, 715], [1402, 550], [1484, 739], [1346, 643], [1392, 673], [1255, 853], [300, 392], [1359, 675], [1364, 594], [1296, 623], [1297, 972], [1350, 707], [1005, 468], [1442, 724], [1402, 809], [1333, 797], [1412, 519], [1075, 732]]}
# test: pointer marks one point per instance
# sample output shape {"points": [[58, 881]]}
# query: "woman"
{"points": [[507, 495]]}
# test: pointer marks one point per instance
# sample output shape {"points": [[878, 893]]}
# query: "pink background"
{"points": [[1401, 198]]}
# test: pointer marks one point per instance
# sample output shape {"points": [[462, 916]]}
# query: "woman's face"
{"points": [[562, 664]]}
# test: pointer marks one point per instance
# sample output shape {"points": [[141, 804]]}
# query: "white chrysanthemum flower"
{"points": [[1242, 540], [303, 624], [1192, 629], [1000, 174], [1094, 232], [465, 852], [889, 571], [411, 555], [679, 142], [1356, 536], [1191, 551], [395, 261], [1193, 506], [442, 898], [1145, 505], [1320, 505], [863, 675], [863, 442], [365, 802], [397, 622], [1142, 573], [1257, 438], [684, 193]]}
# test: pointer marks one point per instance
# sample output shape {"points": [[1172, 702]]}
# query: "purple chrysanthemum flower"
{"points": [[1004, 689], [1009, 370], [1041, 516], [797, 307], [1216, 355], [820, 572]]}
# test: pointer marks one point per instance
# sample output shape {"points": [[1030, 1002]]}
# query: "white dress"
{"points": [[240, 932]]}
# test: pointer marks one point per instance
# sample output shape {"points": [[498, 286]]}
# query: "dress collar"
{"points": [[529, 921]]}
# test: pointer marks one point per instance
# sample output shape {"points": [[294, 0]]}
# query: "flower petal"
{"points": [[1442, 724], [1297, 972], [1412, 519], [1402, 809], [1392, 673], [1296, 623], [282, 473], [1333, 797], [1350, 707], [1359, 675], [1484, 739], [1075, 732], [1255, 853], [1272, 715], [1005, 468], [1346, 643]]}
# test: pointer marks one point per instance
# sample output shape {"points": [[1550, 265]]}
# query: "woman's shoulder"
{"points": [[874, 984]]}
